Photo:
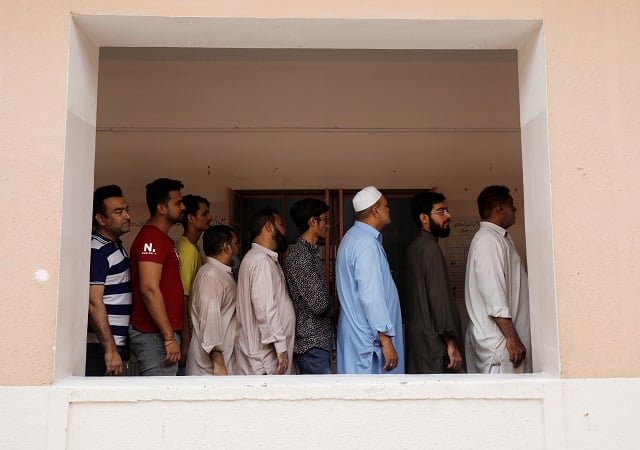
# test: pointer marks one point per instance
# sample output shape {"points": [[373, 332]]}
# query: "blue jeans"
{"points": [[95, 366], [314, 361], [149, 350]]}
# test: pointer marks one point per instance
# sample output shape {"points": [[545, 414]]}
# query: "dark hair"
{"points": [[214, 238], [489, 198], [99, 196], [191, 206], [158, 192], [303, 210], [422, 203], [259, 219]]}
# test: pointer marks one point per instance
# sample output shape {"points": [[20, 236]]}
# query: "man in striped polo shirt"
{"points": [[110, 284]]}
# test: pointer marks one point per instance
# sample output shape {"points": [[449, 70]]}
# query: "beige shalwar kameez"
{"points": [[264, 313]]}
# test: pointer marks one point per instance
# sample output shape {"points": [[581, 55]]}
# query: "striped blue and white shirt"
{"points": [[110, 267]]}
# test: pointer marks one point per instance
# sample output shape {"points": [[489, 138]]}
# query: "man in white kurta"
{"points": [[213, 307], [496, 292], [265, 314]]}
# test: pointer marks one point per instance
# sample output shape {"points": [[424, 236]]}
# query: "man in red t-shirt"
{"points": [[158, 301]]}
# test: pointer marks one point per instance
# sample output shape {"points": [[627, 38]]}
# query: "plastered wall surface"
{"points": [[33, 117], [410, 412], [593, 104]]}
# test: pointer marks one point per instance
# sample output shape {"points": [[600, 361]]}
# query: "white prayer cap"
{"points": [[365, 198]]}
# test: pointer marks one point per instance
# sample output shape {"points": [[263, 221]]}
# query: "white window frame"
{"points": [[90, 32]]}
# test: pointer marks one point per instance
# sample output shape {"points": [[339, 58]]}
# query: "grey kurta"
{"points": [[430, 310]]}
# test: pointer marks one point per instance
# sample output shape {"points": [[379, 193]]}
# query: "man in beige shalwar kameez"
{"points": [[213, 311], [264, 312]]}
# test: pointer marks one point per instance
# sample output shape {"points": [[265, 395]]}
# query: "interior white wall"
{"points": [[537, 199], [73, 297], [292, 119]]}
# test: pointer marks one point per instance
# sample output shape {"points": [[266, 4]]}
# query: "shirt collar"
{"points": [[118, 242], [218, 264], [302, 241], [368, 229], [427, 234], [273, 255], [492, 226]]}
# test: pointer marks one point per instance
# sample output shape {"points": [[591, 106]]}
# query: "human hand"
{"points": [[389, 352], [220, 370], [113, 363], [517, 351], [283, 363], [173, 352], [218, 363], [455, 358]]}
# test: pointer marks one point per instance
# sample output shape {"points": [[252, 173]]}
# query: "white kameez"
{"points": [[495, 286]]}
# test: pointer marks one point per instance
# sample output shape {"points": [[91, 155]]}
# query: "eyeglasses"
{"points": [[441, 211], [319, 219]]}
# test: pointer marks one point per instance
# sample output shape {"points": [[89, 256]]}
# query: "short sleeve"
{"points": [[99, 268]]}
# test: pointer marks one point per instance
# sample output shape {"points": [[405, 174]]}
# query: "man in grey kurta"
{"points": [[432, 323]]}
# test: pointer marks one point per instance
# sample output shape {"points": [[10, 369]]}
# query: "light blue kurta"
{"points": [[369, 303]]}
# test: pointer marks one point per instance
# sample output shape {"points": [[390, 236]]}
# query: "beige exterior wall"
{"points": [[594, 103], [592, 67]]}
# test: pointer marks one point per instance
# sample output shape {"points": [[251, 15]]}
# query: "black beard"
{"points": [[438, 231], [281, 242]]}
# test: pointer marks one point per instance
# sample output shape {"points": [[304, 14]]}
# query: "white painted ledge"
{"points": [[307, 387]]}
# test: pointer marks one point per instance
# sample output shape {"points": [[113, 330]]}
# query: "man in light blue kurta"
{"points": [[370, 323]]}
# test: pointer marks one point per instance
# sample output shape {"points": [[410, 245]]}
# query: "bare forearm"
{"points": [[186, 327], [388, 351], [451, 342], [517, 351], [100, 325], [218, 363], [455, 357], [506, 327], [384, 339], [154, 301]]}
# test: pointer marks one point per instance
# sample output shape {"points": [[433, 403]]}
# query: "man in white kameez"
{"points": [[213, 311], [496, 291], [265, 315]]}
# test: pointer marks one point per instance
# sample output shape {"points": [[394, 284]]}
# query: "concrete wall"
{"points": [[342, 412], [581, 248]]}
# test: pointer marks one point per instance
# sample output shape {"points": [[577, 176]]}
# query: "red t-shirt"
{"points": [[151, 244]]}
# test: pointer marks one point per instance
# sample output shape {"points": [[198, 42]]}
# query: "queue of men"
{"points": [[181, 306]]}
